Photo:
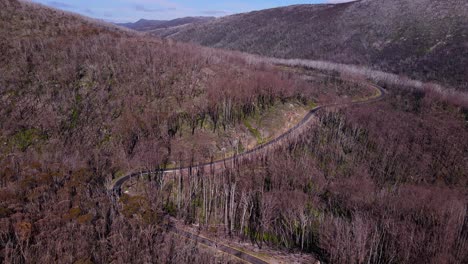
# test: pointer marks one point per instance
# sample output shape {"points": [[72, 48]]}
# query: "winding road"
{"points": [[246, 257], [261, 149]]}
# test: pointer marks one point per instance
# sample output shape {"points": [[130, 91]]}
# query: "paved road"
{"points": [[226, 249], [220, 164]]}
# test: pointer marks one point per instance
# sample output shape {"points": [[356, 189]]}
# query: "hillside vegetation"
{"points": [[375, 183], [84, 103], [424, 39], [70, 86]]}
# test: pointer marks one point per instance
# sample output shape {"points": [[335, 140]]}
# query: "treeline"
{"points": [[380, 183]]}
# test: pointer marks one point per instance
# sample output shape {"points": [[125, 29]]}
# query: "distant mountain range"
{"points": [[424, 39], [148, 25]]}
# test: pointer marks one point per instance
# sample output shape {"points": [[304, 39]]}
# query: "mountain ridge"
{"points": [[422, 39], [148, 25]]}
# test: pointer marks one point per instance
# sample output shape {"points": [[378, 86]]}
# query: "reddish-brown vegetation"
{"points": [[423, 39], [74, 88], [380, 183], [81, 103]]}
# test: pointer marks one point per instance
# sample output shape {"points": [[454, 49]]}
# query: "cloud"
{"points": [[59, 4]]}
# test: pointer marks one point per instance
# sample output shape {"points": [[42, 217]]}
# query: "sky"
{"points": [[133, 10]]}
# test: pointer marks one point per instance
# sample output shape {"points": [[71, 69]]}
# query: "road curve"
{"points": [[221, 247], [116, 188]]}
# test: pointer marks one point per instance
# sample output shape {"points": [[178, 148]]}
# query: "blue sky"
{"points": [[132, 10]]}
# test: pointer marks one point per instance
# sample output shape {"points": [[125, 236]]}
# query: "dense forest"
{"points": [[69, 87], [83, 103], [378, 183]]}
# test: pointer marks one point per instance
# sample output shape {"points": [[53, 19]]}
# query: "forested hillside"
{"points": [[84, 103], [377, 183], [70, 86], [424, 39]]}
